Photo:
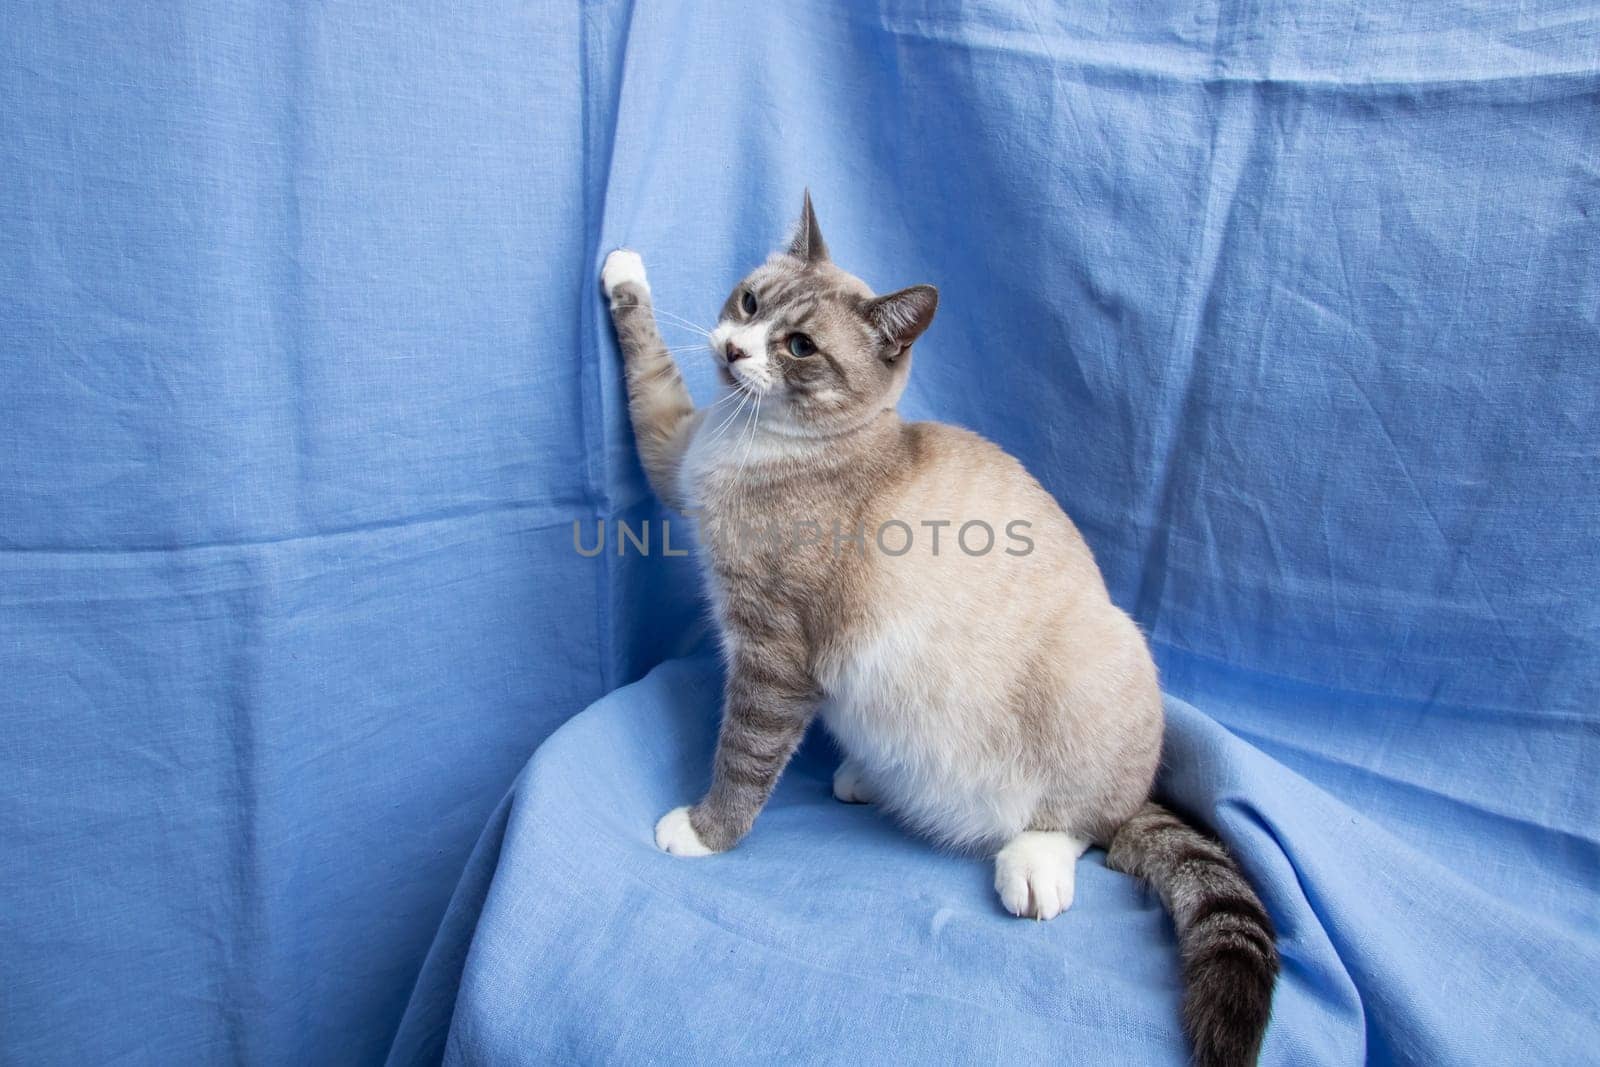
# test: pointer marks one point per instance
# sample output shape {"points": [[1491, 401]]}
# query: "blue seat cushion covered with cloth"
{"points": [[1258, 296]]}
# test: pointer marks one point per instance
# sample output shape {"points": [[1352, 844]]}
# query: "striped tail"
{"points": [[1224, 935]]}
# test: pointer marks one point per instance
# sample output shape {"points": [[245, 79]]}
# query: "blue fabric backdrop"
{"points": [[304, 379]]}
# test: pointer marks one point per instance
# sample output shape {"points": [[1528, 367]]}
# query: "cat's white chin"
{"points": [[675, 835]]}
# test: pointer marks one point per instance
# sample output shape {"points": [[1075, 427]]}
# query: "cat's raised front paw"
{"points": [[623, 267], [850, 785], [675, 833]]}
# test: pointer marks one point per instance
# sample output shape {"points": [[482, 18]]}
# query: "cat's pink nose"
{"points": [[735, 353]]}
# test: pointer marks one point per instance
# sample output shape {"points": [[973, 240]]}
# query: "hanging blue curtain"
{"points": [[317, 740]]}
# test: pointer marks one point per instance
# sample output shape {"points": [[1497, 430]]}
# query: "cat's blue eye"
{"points": [[748, 302], [800, 345]]}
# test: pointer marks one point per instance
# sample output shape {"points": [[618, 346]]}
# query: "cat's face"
{"points": [[813, 342]]}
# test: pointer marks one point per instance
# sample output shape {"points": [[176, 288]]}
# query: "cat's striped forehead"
{"points": [[784, 284]]}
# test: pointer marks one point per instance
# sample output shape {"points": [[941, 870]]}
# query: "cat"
{"points": [[994, 701]]}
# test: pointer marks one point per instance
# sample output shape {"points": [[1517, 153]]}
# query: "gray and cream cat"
{"points": [[992, 700]]}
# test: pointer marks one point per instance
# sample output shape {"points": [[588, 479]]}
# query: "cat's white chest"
{"points": [[725, 450], [711, 463], [926, 732]]}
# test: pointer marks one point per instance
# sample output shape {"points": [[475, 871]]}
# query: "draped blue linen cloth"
{"points": [[305, 379]]}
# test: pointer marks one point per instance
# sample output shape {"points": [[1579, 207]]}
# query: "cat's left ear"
{"points": [[902, 316], [807, 244]]}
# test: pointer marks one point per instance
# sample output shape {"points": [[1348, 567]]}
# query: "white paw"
{"points": [[849, 785], [675, 834], [621, 266], [1035, 874]]}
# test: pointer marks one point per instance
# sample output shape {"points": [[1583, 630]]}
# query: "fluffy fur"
{"points": [[993, 700]]}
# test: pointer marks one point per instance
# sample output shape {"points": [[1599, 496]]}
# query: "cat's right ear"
{"points": [[902, 316], [807, 245]]}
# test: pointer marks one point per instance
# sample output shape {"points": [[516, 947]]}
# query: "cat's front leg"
{"points": [[658, 402], [1036, 873], [769, 703]]}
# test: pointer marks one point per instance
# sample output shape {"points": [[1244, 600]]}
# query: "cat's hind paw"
{"points": [[675, 835], [850, 785], [623, 267]]}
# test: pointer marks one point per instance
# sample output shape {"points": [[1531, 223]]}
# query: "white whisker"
{"points": [[684, 326], [723, 399], [722, 428], [755, 417], [675, 315], [727, 424], [681, 322]]}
